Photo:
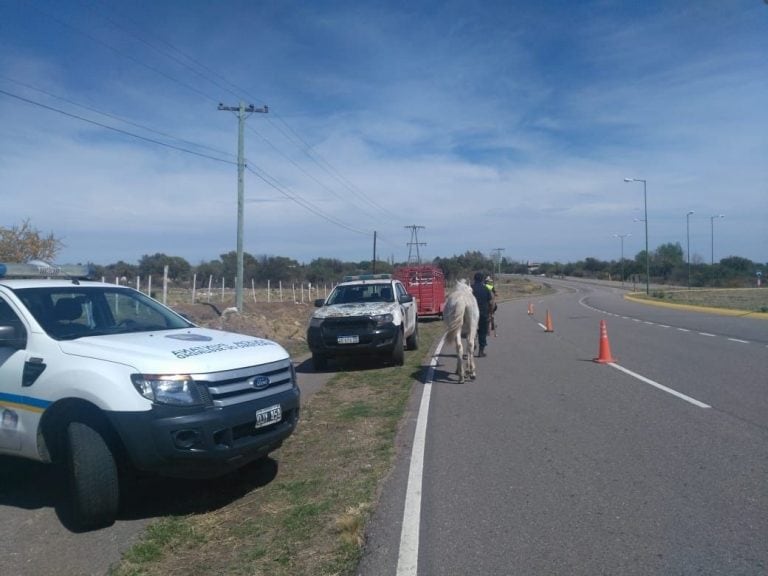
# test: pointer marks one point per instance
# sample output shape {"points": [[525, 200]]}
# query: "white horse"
{"points": [[461, 314]]}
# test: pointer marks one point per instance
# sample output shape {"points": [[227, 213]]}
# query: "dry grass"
{"points": [[308, 518], [746, 299]]}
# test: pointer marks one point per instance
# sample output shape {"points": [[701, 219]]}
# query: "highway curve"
{"points": [[550, 463]]}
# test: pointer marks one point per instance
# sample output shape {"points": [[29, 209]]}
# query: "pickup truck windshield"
{"points": [[70, 312], [358, 293]]}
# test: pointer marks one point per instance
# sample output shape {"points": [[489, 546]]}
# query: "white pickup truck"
{"points": [[102, 379], [370, 315]]}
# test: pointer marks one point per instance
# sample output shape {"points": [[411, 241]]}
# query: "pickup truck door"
{"points": [[409, 310], [12, 361]]}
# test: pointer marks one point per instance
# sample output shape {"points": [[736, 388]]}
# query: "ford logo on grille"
{"points": [[260, 382]]}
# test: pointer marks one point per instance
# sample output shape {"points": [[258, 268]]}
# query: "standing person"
{"points": [[492, 319], [485, 304]]}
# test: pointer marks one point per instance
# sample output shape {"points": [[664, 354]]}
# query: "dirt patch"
{"points": [[283, 322]]}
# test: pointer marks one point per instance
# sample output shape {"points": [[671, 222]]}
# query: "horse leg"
{"points": [[471, 354], [459, 357]]}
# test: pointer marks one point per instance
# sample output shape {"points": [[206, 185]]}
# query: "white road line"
{"points": [[665, 326], [408, 555], [661, 386], [707, 334], [542, 326], [683, 329], [739, 341]]}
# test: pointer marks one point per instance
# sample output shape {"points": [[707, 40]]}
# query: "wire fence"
{"points": [[203, 290]]}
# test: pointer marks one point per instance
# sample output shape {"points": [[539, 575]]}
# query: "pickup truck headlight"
{"points": [[382, 319], [315, 322], [176, 390]]}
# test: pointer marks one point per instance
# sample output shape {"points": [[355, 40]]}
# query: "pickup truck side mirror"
{"points": [[405, 298], [319, 302], [9, 338]]}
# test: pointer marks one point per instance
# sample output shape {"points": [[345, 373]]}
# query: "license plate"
{"points": [[267, 416], [348, 339]]}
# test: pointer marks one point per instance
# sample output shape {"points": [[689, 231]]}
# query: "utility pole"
{"points": [[373, 263], [498, 257], [243, 112], [415, 242]]}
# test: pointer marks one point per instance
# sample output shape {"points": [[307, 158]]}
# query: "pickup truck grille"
{"points": [[245, 384], [352, 324]]}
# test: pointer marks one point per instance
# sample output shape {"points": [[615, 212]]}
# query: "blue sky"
{"points": [[493, 125]]}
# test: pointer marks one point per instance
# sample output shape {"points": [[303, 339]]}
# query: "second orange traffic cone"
{"points": [[604, 355], [530, 309], [548, 324]]}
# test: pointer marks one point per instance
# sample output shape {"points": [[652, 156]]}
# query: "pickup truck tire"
{"points": [[398, 354], [412, 342], [319, 362], [93, 478]]}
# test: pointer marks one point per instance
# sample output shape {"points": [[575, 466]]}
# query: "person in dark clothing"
{"points": [[485, 303]]}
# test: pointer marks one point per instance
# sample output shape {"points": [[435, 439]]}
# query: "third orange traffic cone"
{"points": [[548, 324], [604, 355], [530, 309]]}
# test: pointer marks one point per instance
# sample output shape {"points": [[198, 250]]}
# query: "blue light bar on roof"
{"points": [[44, 270]]}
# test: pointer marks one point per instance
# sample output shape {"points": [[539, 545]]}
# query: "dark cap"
{"points": [[478, 276]]}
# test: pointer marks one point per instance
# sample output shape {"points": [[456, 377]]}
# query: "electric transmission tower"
{"points": [[415, 242]]}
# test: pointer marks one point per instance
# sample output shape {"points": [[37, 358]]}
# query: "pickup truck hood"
{"points": [[186, 351], [356, 309]]}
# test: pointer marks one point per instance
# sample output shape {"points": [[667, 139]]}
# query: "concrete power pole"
{"points": [[242, 113]]}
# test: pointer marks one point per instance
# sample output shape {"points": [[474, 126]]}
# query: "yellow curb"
{"points": [[691, 307]]}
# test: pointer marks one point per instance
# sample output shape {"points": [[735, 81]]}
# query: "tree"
{"points": [[178, 267], [668, 258], [25, 242]]}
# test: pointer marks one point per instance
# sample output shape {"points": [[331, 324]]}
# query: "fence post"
{"points": [[194, 286], [165, 284]]}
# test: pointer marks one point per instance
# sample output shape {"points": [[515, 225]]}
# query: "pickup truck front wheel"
{"points": [[412, 342], [93, 478], [398, 355], [319, 362]]}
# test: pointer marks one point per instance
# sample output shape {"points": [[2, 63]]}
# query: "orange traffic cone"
{"points": [[604, 356], [548, 323], [530, 309]]}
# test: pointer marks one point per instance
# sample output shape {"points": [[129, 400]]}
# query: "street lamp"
{"points": [[688, 236], [622, 236], [712, 232], [647, 256]]}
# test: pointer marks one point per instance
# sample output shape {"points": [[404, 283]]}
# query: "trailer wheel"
{"points": [[412, 342], [93, 479], [398, 354]]}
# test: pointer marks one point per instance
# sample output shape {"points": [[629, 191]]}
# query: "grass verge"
{"points": [[739, 299], [310, 519]]}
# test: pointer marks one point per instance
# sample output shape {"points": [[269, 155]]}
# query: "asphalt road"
{"points": [[550, 463], [37, 541]]}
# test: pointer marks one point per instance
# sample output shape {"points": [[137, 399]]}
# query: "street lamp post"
{"points": [[712, 233], [622, 236], [647, 255], [688, 241]]}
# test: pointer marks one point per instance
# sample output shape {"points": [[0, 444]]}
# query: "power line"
{"points": [[118, 130], [293, 137], [307, 205], [116, 117]]}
